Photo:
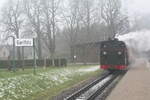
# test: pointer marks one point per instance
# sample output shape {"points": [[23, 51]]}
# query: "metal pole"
{"points": [[14, 64], [45, 63], [22, 58], [34, 54]]}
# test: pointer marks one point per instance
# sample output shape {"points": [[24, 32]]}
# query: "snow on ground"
{"points": [[15, 88], [90, 69]]}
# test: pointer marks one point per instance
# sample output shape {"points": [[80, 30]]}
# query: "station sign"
{"points": [[23, 42]]}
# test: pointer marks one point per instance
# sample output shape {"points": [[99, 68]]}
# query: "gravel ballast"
{"points": [[75, 88]]}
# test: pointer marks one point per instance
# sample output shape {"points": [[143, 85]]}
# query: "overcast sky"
{"points": [[137, 7], [2, 2]]}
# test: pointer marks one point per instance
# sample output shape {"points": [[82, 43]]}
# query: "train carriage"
{"points": [[113, 55]]}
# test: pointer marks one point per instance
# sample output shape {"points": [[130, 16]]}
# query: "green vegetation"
{"points": [[4, 73], [49, 93], [23, 85]]}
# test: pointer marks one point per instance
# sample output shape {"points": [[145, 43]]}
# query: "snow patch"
{"points": [[95, 68], [24, 85]]}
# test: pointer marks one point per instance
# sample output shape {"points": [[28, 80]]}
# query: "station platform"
{"points": [[135, 85]]}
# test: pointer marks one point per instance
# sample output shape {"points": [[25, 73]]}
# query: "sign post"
{"points": [[22, 58], [27, 43], [34, 54], [14, 53]]}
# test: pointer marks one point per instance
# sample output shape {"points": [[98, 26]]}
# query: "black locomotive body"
{"points": [[113, 55]]}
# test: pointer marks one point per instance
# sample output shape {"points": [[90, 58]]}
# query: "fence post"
{"points": [[45, 63], [22, 58], [34, 56], [14, 63]]}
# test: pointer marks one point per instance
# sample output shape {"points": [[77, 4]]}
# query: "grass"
{"points": [[50, 93], [4, 73], [23, 85]]}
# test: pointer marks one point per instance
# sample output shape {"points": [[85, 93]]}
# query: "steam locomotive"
{"points": [[113, 55]]}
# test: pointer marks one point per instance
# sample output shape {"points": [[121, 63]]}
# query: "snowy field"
{"points": [[22, 86]]}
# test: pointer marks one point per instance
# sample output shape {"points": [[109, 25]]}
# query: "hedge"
{"points": [[30, 63]]}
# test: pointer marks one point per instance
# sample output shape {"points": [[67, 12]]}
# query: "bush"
{"points": [[30, 63]]}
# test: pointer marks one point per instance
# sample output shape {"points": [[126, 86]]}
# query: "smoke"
{"points": [[138, 44], [140, 40]]}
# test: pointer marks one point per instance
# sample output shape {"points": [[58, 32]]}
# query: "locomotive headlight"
{"points": [[104, 53], [104, 46], [119, 53]]}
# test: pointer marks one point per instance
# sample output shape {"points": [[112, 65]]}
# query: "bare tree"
{"points": [[13, 20], [50, 8], [33, 11], [86, 12], [123, 25], [72, 21], [112, 16]]}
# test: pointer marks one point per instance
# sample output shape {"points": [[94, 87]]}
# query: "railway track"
{"points": [[91, 91]]}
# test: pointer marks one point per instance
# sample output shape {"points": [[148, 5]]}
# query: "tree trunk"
{"points": [[39, 48]]}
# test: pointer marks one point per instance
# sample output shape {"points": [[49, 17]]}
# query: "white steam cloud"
{"points": [[138, 44], [140, 41]]}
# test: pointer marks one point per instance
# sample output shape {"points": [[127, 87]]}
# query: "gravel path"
{"points": [[135, 85]]}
